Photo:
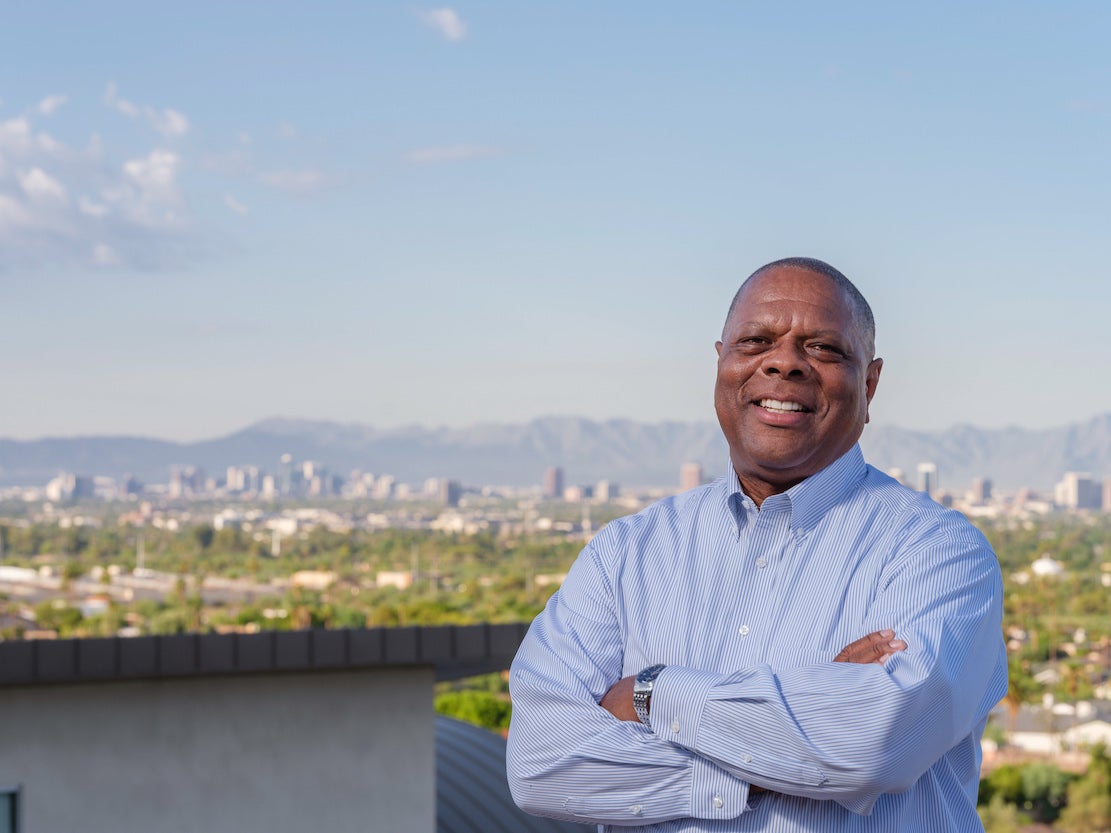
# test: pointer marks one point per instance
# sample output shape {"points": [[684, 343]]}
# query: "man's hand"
{"points": [[618, 701], [875, 647]]}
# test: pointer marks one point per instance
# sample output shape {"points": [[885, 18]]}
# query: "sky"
{"points": [[393, 213]]}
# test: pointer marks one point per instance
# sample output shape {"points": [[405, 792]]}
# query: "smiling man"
{"points": [[688, 677], [796, 371]]}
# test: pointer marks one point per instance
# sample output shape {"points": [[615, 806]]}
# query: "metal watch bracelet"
{"points": [[642, 692]]}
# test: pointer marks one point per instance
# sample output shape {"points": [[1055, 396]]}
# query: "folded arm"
{"points": [[850, 733], [827, 731], [567, 757]]}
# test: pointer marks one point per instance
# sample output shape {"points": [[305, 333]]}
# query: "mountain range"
{"points": [[626, 451]]}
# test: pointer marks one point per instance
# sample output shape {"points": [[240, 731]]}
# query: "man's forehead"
{"points": [[791, 286]]}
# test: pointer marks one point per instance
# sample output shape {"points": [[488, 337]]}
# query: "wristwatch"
{"points": [[642, 691]]}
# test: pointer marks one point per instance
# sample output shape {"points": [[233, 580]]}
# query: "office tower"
{"points": [[690, 476], [606, 490], [450, 492], [1078, 490], [927, 478], [573, 494], [980, 493], [285, 474], [553, 483], [384, 487]]}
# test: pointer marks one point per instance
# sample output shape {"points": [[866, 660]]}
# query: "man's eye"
{"points": [[822, 347]]}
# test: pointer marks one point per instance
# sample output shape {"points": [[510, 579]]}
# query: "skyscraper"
{"points": [[980, 493], [1078, 490], [553, 483], [450, 491], [690, 476], [927, 478], [606, 490]]}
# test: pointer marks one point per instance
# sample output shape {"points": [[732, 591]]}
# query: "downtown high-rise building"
{"points": [[927, 478], [690, 476], [553, 483], [1078, 490], [980, 492]]}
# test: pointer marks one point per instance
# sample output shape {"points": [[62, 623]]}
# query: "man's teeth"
{"points": [[776, 405]]}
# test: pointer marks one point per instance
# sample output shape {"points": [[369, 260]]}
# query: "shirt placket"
{"points": [[770, 535]]}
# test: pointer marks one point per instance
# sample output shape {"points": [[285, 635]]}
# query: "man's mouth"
{"points": [[779, 407]]}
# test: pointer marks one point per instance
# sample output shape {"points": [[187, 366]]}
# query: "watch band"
{"points": [[642, 692]]}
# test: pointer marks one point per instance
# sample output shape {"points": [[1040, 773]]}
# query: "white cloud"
{"points": [[49, 105], [13, 215], [40, 186], [167, 121], [449, 153], [82, 205], [112, 99], [294, 182], [170, 123], [235, 205], [447, 22], [147, 195], [285, 130], [16, 137], [155, 173], [91, 209], [67, 205]]}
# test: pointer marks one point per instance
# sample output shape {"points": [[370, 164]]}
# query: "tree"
{"points": [[1089, 804], [203, 535], [1000, 817], [1044, 791], [478, 707], [1021, 688]]}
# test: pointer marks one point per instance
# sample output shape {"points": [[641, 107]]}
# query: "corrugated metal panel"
{"points": [[472, 795]]}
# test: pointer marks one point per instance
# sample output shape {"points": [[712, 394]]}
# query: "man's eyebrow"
{"points": [[833, 335]]}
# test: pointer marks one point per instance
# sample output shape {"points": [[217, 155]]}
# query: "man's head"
{"points": [[795, 373]]}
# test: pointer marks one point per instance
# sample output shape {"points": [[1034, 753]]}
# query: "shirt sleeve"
{"points": [[850, 732], [569, 758]]}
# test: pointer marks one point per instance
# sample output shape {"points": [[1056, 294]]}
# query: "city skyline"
{"points": [[418, 214]]}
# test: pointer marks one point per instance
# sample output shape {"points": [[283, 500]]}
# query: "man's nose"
{"points": [[786, 360]]}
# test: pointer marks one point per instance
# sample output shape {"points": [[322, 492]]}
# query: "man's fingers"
{"points": [[875, 647], [618, 701]]}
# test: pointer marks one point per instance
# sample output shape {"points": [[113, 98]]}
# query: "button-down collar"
{"points": [[807, 501]]}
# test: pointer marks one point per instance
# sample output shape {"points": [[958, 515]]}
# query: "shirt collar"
{"points": [[809, 500]]}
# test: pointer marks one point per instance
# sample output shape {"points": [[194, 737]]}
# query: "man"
{"points": [[683, 678]]}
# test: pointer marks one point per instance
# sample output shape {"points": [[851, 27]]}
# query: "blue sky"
{"points": [[399, 213]]}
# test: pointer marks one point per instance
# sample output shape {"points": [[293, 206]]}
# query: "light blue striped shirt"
{"points": [[747, 607]]}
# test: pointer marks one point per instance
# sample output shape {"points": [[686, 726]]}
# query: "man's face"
{"points": [[794, 379]]}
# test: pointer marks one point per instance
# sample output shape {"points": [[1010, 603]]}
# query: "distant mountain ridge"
{"points": [[626, 451]]}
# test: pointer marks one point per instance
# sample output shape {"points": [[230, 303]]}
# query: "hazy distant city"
{"points": [[292, 542]]}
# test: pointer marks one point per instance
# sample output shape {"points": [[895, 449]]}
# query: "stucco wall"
{"points": [[334, 752]]}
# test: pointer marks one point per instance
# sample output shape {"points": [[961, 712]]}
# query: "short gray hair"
{"points": [[862, 312]]}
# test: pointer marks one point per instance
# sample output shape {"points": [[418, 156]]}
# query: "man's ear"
{"points": [[871, 380]]}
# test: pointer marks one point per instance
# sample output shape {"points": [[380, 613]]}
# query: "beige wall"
{"points": [[334, 752]]}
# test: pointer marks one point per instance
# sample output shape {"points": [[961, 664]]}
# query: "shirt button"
{"points": [[761, 562], [747, 759], [675, 726], [718, 802], [635, 809], [743, 631]]}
